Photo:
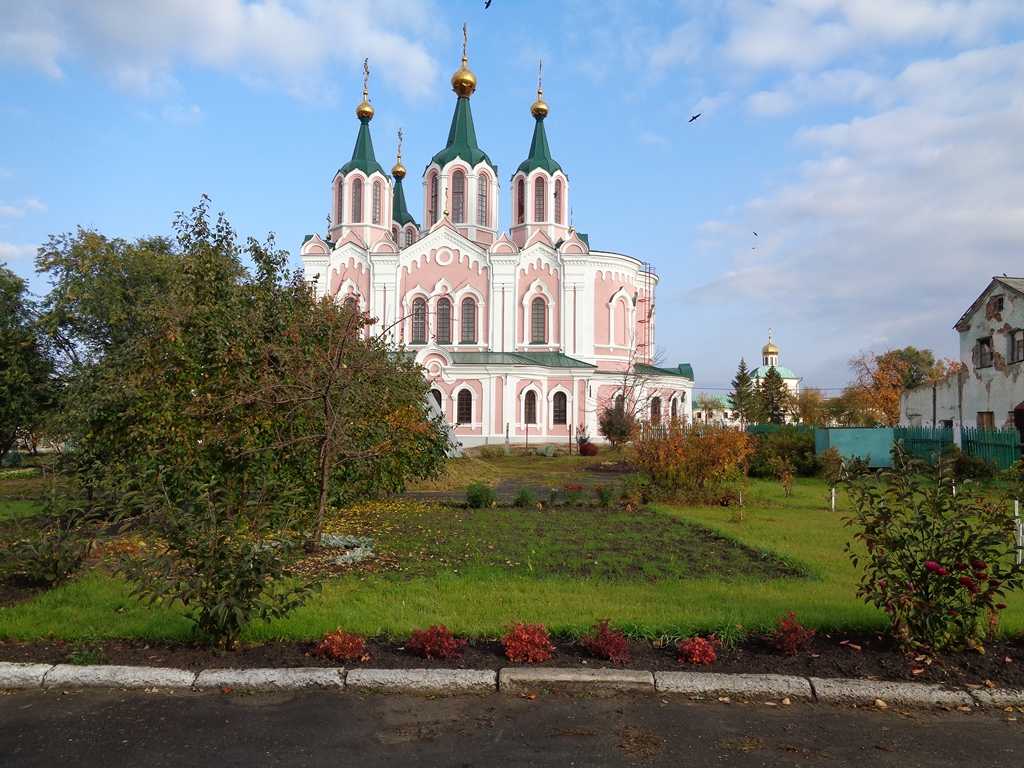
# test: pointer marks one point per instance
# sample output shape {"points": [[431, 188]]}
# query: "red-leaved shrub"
{"points": [[607, 643], [790, 636], [697, 650], [528, 644], [342, 646], [588, 449], [436, 642]]}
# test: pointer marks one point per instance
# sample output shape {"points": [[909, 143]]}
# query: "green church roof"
{"points": [[540, 153], [684, 370], [762, 370], [362, 154], [542, 359], [462, 139], [400, 213]]}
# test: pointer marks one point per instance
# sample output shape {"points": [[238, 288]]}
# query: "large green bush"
{"points": [[789, 444]]}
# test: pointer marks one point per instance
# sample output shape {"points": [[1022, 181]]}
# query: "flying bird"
{"points": [[694, 117], [755, 234], [487, 4]]}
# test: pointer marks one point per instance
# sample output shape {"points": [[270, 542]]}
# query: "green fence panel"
{"points": [[1000, 447], [926, 443], [874, 444]]}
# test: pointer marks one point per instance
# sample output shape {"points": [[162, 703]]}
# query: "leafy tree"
{"points": [[879, 383], [743, 395], [617, 425], [809, 407], [25, 369], [707, 404], [917, 366], [774, 397]]}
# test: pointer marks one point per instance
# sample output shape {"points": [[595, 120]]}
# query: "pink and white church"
{"points": [[524, 333]]}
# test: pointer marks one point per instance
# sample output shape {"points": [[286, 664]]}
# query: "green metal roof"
{"points": [[762, 370], [400, 213], [540, 153], [462, 139], [542, 359], [684, 370], [362, 154]]}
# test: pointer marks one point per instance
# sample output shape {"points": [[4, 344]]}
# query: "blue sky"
{"points": [[874, 146]]}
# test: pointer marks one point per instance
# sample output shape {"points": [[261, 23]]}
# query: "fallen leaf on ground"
{"points": [[881, 704]]}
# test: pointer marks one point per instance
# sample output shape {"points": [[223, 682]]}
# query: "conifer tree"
{"points": [[774, 397], [743, 395]]}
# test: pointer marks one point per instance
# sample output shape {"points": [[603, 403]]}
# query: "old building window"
{"points": [[559, 408], [558, 201], [432, 200], [538, 321], [985, 357], [656, 410], [378, 195], [986, 420], [339, 208], [436, 394], [444, 321], [357, 201], [410, 236], [464, 409], [521, 202], [674, 409], [394, 234], [459, 197], [483, 217], [419, 321], [539, 193], [530, 407], [620, 403], [1016, 346], [468, 335]]}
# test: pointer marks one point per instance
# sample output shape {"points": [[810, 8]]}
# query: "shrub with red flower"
{"points": [[607, 643], [938, 564], [697, 650], [436, 642], [528, 644], [790, 636], [588, 449], [342, 646]]}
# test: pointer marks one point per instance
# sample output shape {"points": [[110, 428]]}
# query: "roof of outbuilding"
{"points": [[1013, 283]]}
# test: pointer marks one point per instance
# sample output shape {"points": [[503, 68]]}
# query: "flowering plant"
{"points": [[342, 646], [528, 644], [697, 650], [607, 643], [436, 642]]}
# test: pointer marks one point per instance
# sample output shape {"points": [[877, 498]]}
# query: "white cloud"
{"points": [[140, 44], [18, 210], [899, 216], [13, 252]]}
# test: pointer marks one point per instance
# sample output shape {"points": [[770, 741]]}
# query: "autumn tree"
{"points": [[879, 381], [809, 407]]}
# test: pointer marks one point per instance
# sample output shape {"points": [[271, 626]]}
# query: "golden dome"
{"points": [[464, 81], [398, 170], [539, 108], [769, 349], [365, 109]]}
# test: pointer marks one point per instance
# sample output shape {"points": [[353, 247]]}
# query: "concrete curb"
{"points": [[285, 679], [509, 680], [597, 681], [447, 682], [741, 686], [17, 675], [843, 691], [73, 676]]}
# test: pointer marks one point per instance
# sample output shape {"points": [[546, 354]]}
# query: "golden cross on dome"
{"points": [[540, 77], [366, 77], [400, 137], [465, 41]]}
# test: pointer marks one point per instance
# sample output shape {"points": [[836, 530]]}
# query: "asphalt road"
{"points": [[342, 729]]}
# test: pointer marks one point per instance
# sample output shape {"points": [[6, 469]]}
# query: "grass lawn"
{"points": [[657, 572], [13, 509]]}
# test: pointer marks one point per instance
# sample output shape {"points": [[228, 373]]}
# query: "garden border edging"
{"points": [[510, 680]]}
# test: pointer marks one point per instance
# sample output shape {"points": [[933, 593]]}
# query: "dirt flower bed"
{"points": [[830, 655]]}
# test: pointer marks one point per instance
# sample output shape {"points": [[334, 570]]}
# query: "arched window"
{"points": [[468, 335], [444, 321], [538, 321], [419, 321], [521, 202], [432, 203], [656, 410], [378, 195], [339, 207], [464, 409], [675, 409], [394, 234], [558, 201], [530, 407], [559, 408], [357, 201], [620, 403], [483, 217], [436, 394], [538, 199], [410, 236], [459, 197]]}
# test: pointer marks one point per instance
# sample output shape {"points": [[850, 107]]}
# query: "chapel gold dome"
{"points": [[398, 170], [364, 110], [464, 81], [769, 349], [539, 108]]}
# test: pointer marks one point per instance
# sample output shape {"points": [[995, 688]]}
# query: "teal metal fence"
{"points": [[925, 443], [764, 429], [872, 444], [996, 446]]}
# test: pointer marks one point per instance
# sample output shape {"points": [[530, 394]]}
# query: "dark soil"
{"points": [[15, 590], [869, 656]]}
